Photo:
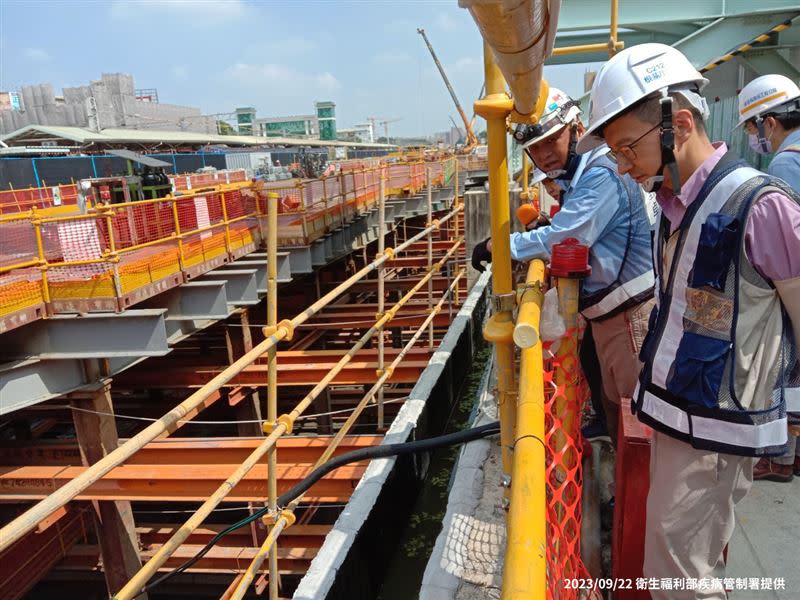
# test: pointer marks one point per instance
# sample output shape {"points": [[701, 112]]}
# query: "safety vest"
{"points": [[720, 362], [635, 280]]}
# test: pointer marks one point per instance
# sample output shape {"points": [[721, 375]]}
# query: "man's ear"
{"points": [[683, 124]]}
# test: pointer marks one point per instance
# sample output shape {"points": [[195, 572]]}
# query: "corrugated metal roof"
{"points": [[152, 136]]}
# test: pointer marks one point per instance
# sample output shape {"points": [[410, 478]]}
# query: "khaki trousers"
{"points": [[690, 513], [618, 340]]}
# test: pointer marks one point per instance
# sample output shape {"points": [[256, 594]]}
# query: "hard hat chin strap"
{"points": [[667, 151], [762, 135]]}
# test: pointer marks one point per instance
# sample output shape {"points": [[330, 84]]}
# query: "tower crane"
{"points": [[471, 140], [385, 122]]}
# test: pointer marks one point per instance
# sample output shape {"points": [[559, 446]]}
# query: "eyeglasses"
{"points": [[627, 150]]}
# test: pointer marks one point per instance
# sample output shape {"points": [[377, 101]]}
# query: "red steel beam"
{"points": [[307, 370], [297, 536], [183, 451], [220, 559], [166, 483], [28, 560]]}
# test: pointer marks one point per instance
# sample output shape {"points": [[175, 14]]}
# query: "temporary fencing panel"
{"points": [[564, 478]]}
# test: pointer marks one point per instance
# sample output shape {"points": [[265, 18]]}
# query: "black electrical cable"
{"points": [[298, 490]]}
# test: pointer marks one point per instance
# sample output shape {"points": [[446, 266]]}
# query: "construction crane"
{"points": [[471, 140], [385, 123]]}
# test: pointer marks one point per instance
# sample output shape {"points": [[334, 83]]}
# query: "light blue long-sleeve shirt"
{"points": [[595, 210], [786, 165]]}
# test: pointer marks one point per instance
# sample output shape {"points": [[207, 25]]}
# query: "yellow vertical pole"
{"points": [[495, 107], [381, 292], [227, 225], [525, 565], [115, 264], [178, 235], [272, 377], [430, 252], [37, 226]]}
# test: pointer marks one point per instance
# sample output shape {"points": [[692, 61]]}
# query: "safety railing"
{"points": [[197, 180], [115, 255], [275, 427], [14, 201]]}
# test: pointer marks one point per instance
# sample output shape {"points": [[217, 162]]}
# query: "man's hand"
{"points": [[482, 253]]}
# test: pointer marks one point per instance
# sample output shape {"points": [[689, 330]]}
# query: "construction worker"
{"points": [[605, 212], [717, 357], [769, 109]]}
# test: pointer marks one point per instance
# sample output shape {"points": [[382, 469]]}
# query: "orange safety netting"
{"points": [[16, 201], [566, 392], [198, 180]]}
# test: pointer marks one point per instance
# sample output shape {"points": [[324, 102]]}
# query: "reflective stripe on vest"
{"points": [[765, 435], [625, 292], [668, 344], [792, 396]]}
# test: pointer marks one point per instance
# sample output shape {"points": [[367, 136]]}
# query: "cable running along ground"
{"points": [[299, 489]]}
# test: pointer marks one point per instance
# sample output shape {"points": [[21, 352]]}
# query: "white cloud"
{"points": [[180, 71], [189, 12], [446, 21], [391, 58], [36, 54], [281, 79], [468, 63]]}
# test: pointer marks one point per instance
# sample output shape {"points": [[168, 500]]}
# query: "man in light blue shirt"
{"points": [[607, 213], [769, 108]]}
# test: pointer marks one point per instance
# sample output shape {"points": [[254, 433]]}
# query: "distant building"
{"points": [[111, 102], [291, 126], [245, 117], [450, 138], [326, 115], [361, 132]]}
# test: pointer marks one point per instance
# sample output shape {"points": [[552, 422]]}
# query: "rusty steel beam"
{"points": [[357, 372], [440, 284], [166, 483], [297, 536], [182, 451], [220, 559], [28, 560], [305, 367]]}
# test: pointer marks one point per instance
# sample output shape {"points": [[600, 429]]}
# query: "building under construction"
{"points": [[230, 385]]}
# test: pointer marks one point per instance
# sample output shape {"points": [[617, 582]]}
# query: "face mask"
{"points": [[757, 146]]}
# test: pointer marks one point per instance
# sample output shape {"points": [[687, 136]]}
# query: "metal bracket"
{"points": [[504, 302]]}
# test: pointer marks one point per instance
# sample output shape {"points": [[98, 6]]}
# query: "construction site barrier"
{"points": [[115, 255]]}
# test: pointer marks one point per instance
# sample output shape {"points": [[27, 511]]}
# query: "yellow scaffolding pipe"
{"points": [[495, 108], [525, 566], [14, 530], [287, 518], [272, 375]]}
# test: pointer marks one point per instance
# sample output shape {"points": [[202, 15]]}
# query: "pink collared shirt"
{"points": [[772, 235]]}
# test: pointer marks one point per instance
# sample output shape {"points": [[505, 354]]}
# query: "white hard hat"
{"points": [[560, 111], [634, 74], [764, 94]]}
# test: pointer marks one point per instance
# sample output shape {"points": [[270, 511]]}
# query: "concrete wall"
{"points": [[116, 103]]}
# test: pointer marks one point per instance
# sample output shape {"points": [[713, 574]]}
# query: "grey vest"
{"points": [[720, 358]]}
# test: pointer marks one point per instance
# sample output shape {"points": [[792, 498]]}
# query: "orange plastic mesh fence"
{"points": [[120, 248], [196, 180], [15, 201], [564, 479], [17, 242], [19, 290]]}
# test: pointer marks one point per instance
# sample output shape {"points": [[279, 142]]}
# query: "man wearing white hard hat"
{"points": [[720, 357], [769, 110], [606, 212]]}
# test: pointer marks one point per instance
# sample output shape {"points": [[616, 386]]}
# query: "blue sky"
{"points": [[279, 56]]}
